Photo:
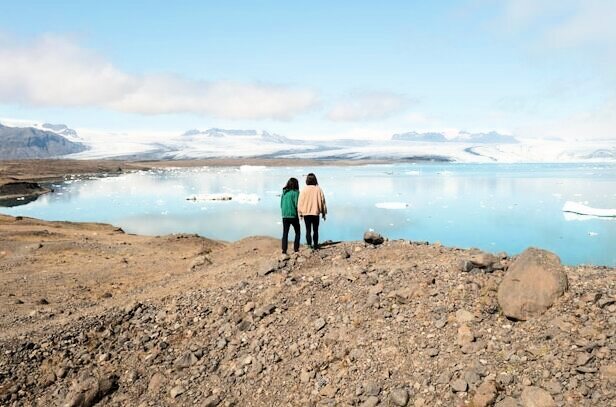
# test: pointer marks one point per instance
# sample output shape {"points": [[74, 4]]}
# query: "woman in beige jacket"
{"points": [[310, 206]]}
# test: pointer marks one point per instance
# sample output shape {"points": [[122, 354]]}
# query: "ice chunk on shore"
{"points": [[392, 205], [581, 209]]}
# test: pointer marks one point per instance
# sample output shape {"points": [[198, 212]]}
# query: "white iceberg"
{"points": [[392, 205], [581, 209], [241, 198]]}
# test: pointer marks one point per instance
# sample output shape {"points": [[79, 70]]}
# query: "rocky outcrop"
{"points": [[29, 142], [374, 238], [17, 189], [534, 281]]}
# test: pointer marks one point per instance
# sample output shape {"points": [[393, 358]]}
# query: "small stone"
{"points": [[459, 385], [536, 397], [583, 358], [211, 401], [372, 389], [465, 335], [42, 301], [608, 372], [107, 295], [440, 323], [507, 402], [221, 343], [319, 324], [305, 376], [485, 395], [48, 378], [249, 306], [268, 268], [371, 401], [265, 310], [61, 372], [399, 397], [463, 316], [186, 360], [176, 391], [155, 383], [432, 352], [465, 266], [553, 387], [329, 391]]}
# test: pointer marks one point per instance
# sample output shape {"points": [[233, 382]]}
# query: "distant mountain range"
{"points": [[30, 142], [462, 137], [216, 132], [55, 140]]}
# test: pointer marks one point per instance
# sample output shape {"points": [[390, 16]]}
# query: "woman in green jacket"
{"points": [[288, 206]]}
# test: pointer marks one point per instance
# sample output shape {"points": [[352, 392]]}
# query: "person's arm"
{"points": [[300, 204], [323, 204], [295, 201]]}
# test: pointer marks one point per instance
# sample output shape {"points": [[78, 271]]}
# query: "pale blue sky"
{"points": [[539, 68]]}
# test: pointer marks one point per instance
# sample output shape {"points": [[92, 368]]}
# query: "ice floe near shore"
{"points": [[392, 205], [581, 209], [241, 198]]}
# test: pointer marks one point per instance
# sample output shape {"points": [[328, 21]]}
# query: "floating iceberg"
{"points": [[252, 168], [392, 205], [242, 198], [581, 209]]}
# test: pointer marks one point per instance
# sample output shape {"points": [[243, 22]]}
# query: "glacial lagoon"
{"points": [[495, 207]]}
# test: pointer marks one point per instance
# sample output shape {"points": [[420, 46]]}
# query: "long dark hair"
{"points": [[311, 179], [292, 184]]}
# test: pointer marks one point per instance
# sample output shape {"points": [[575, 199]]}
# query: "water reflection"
{"points": [[494, 207]]}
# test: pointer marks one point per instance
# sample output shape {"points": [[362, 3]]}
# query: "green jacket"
{"points": [[288, 203]]}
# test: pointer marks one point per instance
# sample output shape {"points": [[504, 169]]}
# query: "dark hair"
{"points": [[311, 179], [292, 183]]}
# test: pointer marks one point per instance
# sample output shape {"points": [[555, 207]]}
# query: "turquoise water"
{"points": [[495, 207]]}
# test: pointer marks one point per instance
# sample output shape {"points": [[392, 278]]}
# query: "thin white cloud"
{"points": [[564, 23], [364, 106], [54, 71]]}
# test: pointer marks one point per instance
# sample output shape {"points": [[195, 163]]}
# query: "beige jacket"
{"points": [[311, 201]]}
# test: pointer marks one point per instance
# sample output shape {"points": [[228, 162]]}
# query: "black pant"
{"points": [[286, 225], [312, 222]]}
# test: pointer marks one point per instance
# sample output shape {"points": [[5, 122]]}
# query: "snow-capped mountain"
{"points": [[248, 134], [32, 142], [463, 147], [462, 137], [61, 129], [225, 143]]}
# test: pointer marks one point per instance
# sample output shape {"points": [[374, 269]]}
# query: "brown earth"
{"points": [[93, 315]]}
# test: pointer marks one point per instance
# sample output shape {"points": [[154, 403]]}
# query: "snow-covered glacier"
{"points": [[241, 143]]}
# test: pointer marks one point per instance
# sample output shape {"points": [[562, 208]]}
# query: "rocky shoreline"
{"points": [[93, 315]]}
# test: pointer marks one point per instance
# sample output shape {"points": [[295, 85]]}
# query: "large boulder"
{"points": [[534, 281], [372, 237]]}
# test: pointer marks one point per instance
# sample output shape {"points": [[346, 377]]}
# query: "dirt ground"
{"points": [[92, 315]]}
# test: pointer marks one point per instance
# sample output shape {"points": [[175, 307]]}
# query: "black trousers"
{"points": [[286, 225], [312, 224]]}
